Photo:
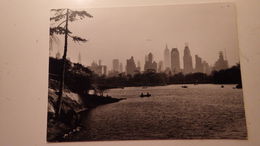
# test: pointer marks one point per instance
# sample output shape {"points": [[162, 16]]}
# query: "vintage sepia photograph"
{"points": [[165, 72]]}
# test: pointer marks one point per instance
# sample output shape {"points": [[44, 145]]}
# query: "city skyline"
{"points": [[175, 30], [133, 66], [181, 63]]}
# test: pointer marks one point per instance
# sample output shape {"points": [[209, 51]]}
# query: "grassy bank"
{"points": [[73, 105]]}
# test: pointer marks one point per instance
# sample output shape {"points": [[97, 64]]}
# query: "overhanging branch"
{"points": [[58, 30], [77, 39]]}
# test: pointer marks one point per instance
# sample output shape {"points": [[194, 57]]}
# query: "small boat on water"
{"points": [[184, 86], [239, 86], [145, 95]]}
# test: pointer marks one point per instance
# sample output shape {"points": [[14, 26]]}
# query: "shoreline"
{"points": [[235, 84], [61, 130]]}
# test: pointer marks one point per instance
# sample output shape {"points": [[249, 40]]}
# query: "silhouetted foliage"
{"points": [[60, 15], [55, 66], [197, 78], [77, 79], [176, 79], [227, 76]]}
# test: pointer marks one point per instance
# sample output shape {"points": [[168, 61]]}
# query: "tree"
{"points": [[63, 17]]}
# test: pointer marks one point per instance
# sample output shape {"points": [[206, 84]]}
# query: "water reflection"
{"points": [[172, 112]]}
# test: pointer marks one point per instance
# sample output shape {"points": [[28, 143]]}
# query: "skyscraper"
{"points": [[138, 66], [167, 61], [198, 64], [150, 64], [120, 67], [150, 57], [96, 68], [206, 67], [130, 66], [187, 61], [175, 61], [160, 66], [221, 63], [115, 63]]}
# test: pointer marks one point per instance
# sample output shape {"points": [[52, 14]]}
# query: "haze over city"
{"points": [[119, 33]]}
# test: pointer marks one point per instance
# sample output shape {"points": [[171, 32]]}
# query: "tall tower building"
{"points": [[206, 67], [150, 57], [187, 61], [115, 63], [167, 60], [150, 65], [198, 64], [120, 67], [175, 61], [97, 68], [139, 66], [130, 66], [160, 66], [221, 63]]}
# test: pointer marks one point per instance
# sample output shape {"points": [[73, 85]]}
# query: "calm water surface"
{"points": [[172, 112]]}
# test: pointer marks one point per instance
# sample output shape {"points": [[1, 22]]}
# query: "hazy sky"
{"points": [[119, 33]]}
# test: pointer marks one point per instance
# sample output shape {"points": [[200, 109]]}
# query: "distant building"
{"points": [[198, 64], [150, 64], [206, 68], [104, 69], [112, 73], [154, 66], [221, 63], [187, 61], [160, 66], [116, 66], [168, 71], [175, 61], [167, 58], [99, 69], [96, 68], [138, 66], [121, 67], [130, 66]]}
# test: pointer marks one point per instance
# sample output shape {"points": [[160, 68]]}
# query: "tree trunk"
{"points": [[59, 101]]}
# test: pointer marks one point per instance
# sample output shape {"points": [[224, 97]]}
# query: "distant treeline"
{"points": [[80, 79], [228, 76]]}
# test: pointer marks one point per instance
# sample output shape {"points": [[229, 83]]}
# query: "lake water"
{"points": [[197, 112]]}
